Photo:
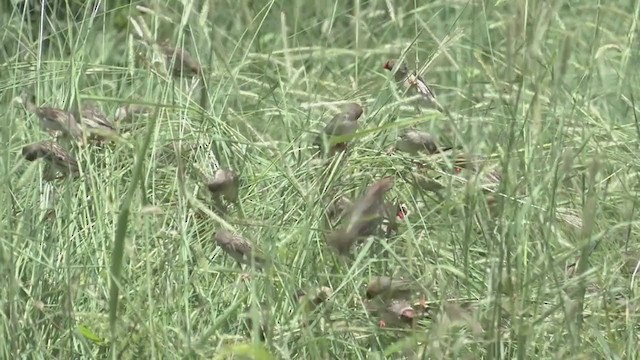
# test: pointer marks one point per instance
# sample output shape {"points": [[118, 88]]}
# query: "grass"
{"points": [[127, 268]]}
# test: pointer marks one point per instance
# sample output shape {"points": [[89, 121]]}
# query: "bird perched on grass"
{"points": [[225, 184], [367, 211], [337, 208], [52, 119], [395, 312], [414, 141], [239, 248], [95, 121], [313, 304], [392, 213], [411, 82], [365, 216], [180, 61], [341, 125], [490, 172], [391, 297], [57, 158], [312, 299]]}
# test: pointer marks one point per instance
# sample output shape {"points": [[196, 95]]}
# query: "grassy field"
{"points": [[121, 262]]}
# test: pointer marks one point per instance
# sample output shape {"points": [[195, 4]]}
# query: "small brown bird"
{"points": [[395, 312], [367, 211], [342, 124], [411, 81], [388, 288], [490, 173], [56, 157], [239, 248], [413, 141], [129, 111], [225, 183], [398, 311], [52, 119], [312, 299], [364, 218], [95, 121], [180, 61]]}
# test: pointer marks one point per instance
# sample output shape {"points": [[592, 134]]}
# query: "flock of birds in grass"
{"points": [[390, 298]]}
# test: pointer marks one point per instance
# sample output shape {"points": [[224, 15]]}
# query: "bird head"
{"points": [[355, 110], [32, 152], [390, 64], [393, 65]]}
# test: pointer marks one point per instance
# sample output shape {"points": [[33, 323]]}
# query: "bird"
{"points": [[491, 174], [173, 151], [392, 212], [239, 248], [395, 312], [414, 141], [224, 184], [342, 124], [55, 155], [398, 311], [341, 240], [95, 121], [388, 288], [364, 217], [312, 299], [183, 63], [129, 111], [52, 119], [367, 211], [411, 81]]}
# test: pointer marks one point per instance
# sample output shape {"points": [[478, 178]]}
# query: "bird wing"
{"points": [[423, 88], [95, 119], [340, 124], [55, 115]]}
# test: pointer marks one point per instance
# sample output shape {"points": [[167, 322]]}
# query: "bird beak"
{"points": [[387, 66], [408, 314], [403, 211]]}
